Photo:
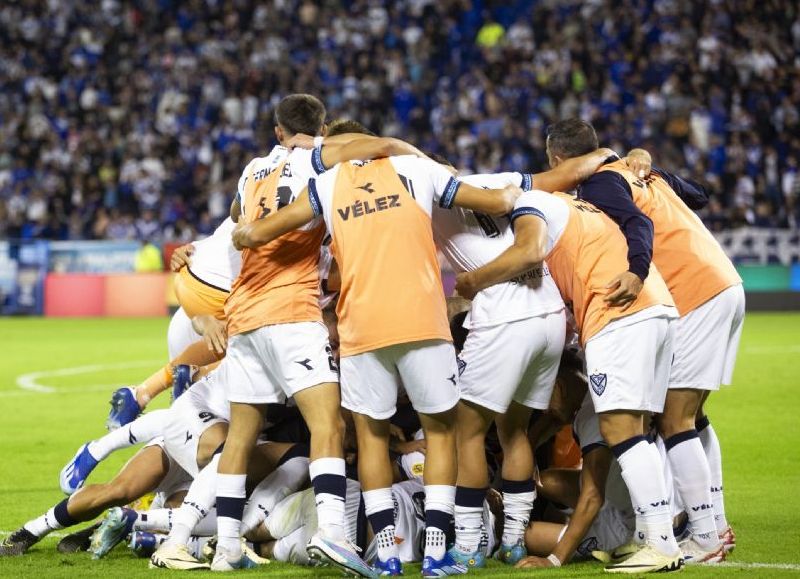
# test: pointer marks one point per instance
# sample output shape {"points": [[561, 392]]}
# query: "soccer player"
{"points": [[655, 215], [393, 326], [509, 361], [277, 344], [149, 470], [627, 343]]}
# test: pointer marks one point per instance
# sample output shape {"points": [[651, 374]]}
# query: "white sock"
{"points": [[286, 479], [41, 526], [439, 508], [379, 508], [330, 490], [230, 506], [642, 471], [154, 520], [207, 526], [518, 497], [143, 429], [196, 505], [708, 437], [468, 515], [693, 481]]}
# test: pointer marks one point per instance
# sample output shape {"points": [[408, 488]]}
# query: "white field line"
{"points": [[745, 565], [29, 383]]}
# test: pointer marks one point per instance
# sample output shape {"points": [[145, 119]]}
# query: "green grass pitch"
{"points": [[80, 361]]}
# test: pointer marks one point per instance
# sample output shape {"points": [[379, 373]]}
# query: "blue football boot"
{"points": [[124, 408], [181, 380], [391, 567], [117, 525], [74, 474], [512, 554], [447, 565], [469, 560], [143, 543]]}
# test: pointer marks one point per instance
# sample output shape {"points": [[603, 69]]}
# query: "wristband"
{"points": [[318, 141], [554, 560]]}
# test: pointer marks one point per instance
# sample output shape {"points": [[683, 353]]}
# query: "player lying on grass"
{"points": [[152, 469]]}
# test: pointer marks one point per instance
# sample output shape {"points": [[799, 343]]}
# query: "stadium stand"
{"points": [[132, 120]]}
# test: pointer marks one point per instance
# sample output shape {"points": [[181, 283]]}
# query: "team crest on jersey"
{"points": [[598, 382], [461, 365]]}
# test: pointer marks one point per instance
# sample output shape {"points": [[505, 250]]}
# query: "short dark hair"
{"points": [[346, 126], [571, 138], [300, 113]]}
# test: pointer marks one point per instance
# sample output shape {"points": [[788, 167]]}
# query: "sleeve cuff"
{"points": [[313, 197], [519, 212], [527, 182], [316, 160], [590, 447], [449, 195], [640, 268]]}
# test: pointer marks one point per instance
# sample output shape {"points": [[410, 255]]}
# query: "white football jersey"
{"points": [[301, 165], [210, 394], [215, 261], [470, 240]]}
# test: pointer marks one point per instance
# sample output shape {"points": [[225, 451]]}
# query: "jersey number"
{"points": [[331, 359], [487, 224], [206, 416]]}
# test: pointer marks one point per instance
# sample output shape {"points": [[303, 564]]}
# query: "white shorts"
{"points": [[610, 529], [628, 366], [706, 341], [513, 361], [586, 426], [427, 369], [176, 480], [271, 363], [180, 334], [190, 418]]}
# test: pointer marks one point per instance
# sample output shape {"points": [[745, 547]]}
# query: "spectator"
{"points": [[116, 117]]}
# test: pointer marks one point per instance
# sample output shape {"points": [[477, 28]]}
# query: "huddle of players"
{"points": [[384, 219]]}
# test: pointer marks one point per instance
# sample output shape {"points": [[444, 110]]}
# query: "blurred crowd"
{"points": [[133, 120]]}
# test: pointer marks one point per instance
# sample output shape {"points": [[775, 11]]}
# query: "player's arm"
{"points": [[692, 193], [528, 251], [593, 488], [236, 209], [262, 231], [495, 202], [359, 147], [572, 172], [611, 192], [596, 463]]}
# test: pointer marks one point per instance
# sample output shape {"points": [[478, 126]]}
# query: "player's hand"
{"points": [[411, 446], [181, 257], [606, 152], [397, 432], [533, 563], [465, 285], [216, 336], [240, 236], [624, 289], [509, 196], [640, 162], [300, 141]]}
